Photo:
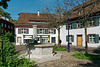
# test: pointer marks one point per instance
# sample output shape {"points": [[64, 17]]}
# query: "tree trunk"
{"points": [[58, 37], [86, 46]]}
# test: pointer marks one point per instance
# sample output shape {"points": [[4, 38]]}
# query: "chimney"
{"points": [[38, 13]]}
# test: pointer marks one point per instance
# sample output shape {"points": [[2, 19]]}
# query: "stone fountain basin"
{"points": [[38, 51], [41, 53]]}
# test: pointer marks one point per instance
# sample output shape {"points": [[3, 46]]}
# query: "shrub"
{"points": [[14, 61], [10, 59]]}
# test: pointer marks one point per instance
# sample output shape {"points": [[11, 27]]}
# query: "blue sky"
{"points": [[27, 6]]}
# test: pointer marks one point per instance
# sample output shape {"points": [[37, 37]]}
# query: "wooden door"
{"points": [[79, 40]]}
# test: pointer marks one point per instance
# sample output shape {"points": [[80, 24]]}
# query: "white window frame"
{"points": [[91, 22], [70, 38], [51, 31], [70, 26], [92, 38]]}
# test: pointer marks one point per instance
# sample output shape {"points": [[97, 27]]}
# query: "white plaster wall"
{"points": [[75, 32], [21, 35]]}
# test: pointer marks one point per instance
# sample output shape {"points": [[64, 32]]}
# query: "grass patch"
{"points": [[86, 56], [60, 49]]}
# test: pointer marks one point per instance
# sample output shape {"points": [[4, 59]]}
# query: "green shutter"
{"points": [[46, 31], [27, 31], [66, 26], [97, 38], [37, 31], [97, 22], [54, 31], [82, 24], [87, 38], [19, 31], [66, 38], [74, 25], [72, 38]]}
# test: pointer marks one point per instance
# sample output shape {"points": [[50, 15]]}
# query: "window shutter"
{"points": [[27, 31], [37, 31], [97, 22], [72, 38], [46, 31], [19, 31], [66, 38], [54, 31], [66, 26], [97, 38], [74, 25], [87, 38], [82, 24]]}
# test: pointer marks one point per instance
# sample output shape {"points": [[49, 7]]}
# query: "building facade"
{"points": [[7, 26], [32, 27], [77, 32]]}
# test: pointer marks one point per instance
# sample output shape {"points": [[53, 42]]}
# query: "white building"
{"points": [[77, 32], [31, 26]]}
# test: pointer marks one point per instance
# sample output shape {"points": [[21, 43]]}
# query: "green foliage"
{"points": [[14, 21], [10, 58], [4, 4], [59, 49], [14, 61], [8, 36], [86, 56]]}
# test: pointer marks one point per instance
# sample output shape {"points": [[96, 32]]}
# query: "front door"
{"points": [[53, 40], [79, 40]]}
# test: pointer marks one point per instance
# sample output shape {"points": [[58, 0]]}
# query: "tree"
{"points": [[5, 14], [4, 4], [56, 18], [83, 9]]}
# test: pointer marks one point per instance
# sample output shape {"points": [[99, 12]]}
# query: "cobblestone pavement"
{"points": [[67, 59]]}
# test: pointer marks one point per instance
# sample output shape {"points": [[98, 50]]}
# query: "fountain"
{"points": [[41, 52]]}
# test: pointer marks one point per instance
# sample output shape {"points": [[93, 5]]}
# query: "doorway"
{"points": [[79, 40]]}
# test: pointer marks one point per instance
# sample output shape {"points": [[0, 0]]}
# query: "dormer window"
{"points": [[36, 22]]}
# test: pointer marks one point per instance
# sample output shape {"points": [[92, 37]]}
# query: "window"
{"points": [[19, 39], [23, 31], [79, 24], [42, 31], [5, 25], [9, 26], [36, 22], [91, 38], [5, 31], [2, 24], [2, 31], [71, 38], [51, 31], [70, 26], [46, 31], [91, 22]]}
